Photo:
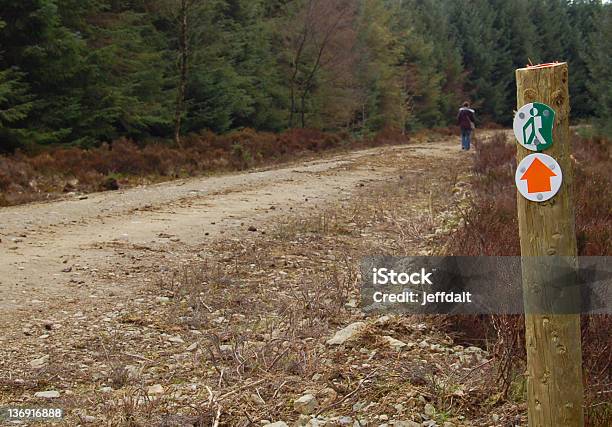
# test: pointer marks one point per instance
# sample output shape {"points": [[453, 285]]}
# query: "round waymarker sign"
{"points": [[538, 177], [533, 124]]}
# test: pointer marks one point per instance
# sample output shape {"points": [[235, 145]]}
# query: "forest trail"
{"points": [[85, 249], [124, 306]]}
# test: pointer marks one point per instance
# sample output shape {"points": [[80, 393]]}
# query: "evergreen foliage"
{"points": [[599, 62], [83, 72]]}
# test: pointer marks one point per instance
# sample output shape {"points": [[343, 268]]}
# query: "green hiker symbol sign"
{"points": [[533, 124]]}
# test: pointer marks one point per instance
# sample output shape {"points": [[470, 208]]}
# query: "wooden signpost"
{"points": [[546, 228]]}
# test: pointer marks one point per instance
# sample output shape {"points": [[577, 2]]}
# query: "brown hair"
{"points": [[466, 104]]}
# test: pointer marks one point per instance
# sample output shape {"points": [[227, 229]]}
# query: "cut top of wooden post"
{"points": [[544, 83], [550, 64]]}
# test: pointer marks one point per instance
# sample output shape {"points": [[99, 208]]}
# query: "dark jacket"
{"points": [[466, 117]]}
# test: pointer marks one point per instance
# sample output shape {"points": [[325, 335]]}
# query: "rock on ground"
{"points": [[155, 389], [430, 411], [346, 334], [50, 394], [306, 404], [394, 343], [408, 423], [40, 362]]}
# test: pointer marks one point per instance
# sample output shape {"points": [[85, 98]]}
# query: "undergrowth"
{"points": [[46, 174], [491, 228]]}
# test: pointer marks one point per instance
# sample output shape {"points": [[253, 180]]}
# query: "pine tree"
{"points": [[519, 31], [50, 58], [582, 15], [448, 57], [485, 57], [214, 94], [517, 37], [551, 19], [127, 92], [380, 78], [433, 75], [255, 60], [15, 105], [599, 62], [85, 71]]}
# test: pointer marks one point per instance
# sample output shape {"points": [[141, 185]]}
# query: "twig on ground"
{"points": [[474, 369], [241, 388], [138, 356], [345, 397]]}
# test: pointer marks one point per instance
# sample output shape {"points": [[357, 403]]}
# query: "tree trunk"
{"points": [[292, 110], [303, 110], [363, 116], [184, 56]]}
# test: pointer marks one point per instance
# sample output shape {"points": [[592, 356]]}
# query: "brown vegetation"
{"points": [[237, 328], [49, 173], [491, 228]]}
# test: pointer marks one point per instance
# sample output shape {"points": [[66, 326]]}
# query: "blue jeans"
{"points": [[465, 138]]}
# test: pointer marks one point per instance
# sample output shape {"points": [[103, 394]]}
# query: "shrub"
{"points": [[491, 228], [63, 169]]}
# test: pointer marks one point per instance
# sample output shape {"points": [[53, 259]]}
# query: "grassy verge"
{"points": [[490, 227], [52, 172]]}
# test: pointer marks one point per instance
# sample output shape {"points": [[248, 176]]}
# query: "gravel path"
{"points": [[68, 248]]}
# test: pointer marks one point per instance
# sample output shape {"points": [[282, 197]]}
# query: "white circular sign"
{"points": [[533, 126], [538, 177]]}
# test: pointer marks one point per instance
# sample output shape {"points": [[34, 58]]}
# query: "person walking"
{"points": [[467, 122]]}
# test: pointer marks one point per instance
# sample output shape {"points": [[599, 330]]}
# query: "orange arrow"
{"points": [[538, 177]]}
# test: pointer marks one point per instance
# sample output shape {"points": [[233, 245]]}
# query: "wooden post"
{"points": [[554, 354]]}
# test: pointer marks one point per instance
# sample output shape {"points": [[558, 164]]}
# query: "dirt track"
{"points": [[70, 250], [176, 304]]}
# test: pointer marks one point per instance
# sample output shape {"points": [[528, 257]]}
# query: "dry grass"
{"points": [[266, 306], [52, 172], [254, 312], [490, 227]]}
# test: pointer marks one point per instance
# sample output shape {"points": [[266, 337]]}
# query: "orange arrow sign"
{"points": [[538, 177]]}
